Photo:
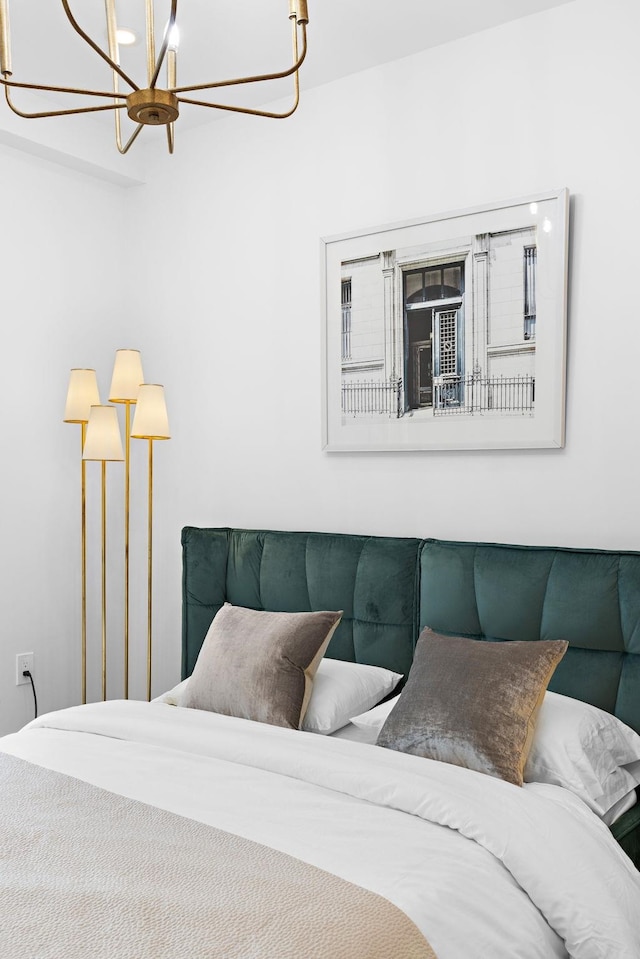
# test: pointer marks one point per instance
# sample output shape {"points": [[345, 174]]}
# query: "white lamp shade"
{"points": [[82, 394], [127, 377], [103, 441], [150, 421]]}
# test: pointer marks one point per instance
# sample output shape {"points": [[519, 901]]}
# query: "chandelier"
{"points": [[149, 103]]}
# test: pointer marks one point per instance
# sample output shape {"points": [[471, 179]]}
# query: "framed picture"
{"points": [[448, 332]]}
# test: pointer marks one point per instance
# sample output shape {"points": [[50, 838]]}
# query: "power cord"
{"points": [[27, 672]]}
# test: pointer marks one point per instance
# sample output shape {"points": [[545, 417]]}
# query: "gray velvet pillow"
{"points": [[473, 703], [260, 665]]}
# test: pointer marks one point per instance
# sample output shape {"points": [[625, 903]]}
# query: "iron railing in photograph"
{"points": [[475, 394], [368, 397]]}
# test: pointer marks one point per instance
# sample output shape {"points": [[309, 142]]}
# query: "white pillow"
{"points": [[375, 718], [586, 750], [575, 745], [174, 696], [619, 808], [340, 691]]}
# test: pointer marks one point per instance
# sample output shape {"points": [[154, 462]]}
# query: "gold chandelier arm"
{"points": [[57, 113], [171, 22], [265, 113], [239, 80], [125, 149], [112, 39], [151, 39], [42, 87], [5, 40], [253, 113], [85, 36]]}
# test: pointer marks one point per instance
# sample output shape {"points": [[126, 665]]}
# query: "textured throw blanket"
{"points": [[88, 874]]}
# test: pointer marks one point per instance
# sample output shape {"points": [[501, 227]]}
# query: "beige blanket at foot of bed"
{"points": [[88, 874]]}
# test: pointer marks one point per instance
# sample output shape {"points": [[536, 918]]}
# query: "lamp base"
{"points": [[153, 107]]}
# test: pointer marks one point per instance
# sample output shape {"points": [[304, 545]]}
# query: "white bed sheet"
{"points": [[369, 734], [500, 872]]}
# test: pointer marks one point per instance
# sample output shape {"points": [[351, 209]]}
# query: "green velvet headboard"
{"points": [[373, 579], [590, 598], [389, 588]]}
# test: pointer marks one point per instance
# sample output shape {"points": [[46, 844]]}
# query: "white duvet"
{"points": [[485, 869]]}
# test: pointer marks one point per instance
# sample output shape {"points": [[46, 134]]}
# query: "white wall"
{"points": [[60, 306], [225, 304]]}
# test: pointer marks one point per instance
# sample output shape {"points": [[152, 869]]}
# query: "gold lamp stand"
{"points": [[150, 423], [125, 383], [103, 443], [82, 394]]}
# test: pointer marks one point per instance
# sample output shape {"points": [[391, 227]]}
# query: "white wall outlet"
{"points": [[23, 661]]}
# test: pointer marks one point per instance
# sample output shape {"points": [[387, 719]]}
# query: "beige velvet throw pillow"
{"points": [[473, 703], [260, 665]]}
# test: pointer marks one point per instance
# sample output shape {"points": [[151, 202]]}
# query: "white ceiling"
{"points": [[224, 38]]}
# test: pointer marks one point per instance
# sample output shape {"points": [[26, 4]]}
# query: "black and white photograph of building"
{"points": [[439, 332], [449, 332]]}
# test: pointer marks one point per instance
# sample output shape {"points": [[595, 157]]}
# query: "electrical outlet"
{"points": [[24, 661]]}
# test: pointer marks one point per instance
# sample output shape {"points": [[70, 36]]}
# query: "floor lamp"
{"points": [[125, 383], [103, 443], [82, 394], [150, 423]]}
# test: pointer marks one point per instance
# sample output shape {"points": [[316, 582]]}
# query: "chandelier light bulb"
{"points": [[174, 37], [126, 37]]}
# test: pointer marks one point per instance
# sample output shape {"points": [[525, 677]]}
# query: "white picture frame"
{"points": [[449, 331]]}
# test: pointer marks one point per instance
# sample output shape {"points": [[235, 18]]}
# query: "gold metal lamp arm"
{"points": [[265, 113], [125, 149], [5, 40], [112, 28], [50, 89], [151, 40], [256, 79], [85, 36], [251, 112], [6, 71], [53, 113]]}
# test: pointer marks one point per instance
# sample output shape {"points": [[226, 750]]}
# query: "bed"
{"points": [[168, 829]]}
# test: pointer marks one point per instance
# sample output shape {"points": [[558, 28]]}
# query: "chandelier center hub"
{"points": [[153, 107]]}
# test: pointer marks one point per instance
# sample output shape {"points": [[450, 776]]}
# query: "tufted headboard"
{"points": [[389, 588], [371, 578], [589, 598]]}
